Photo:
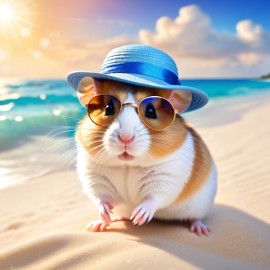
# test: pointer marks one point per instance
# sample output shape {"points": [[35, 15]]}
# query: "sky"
{"points": [[207, 39]]}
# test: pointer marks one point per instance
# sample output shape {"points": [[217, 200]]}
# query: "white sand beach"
{"points": [[42, 220]]}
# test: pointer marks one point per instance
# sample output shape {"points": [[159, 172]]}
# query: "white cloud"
{"points": [[249, 32], [192, 37], [90, 55]]}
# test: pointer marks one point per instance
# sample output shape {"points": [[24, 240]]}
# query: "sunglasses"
{"points": [[156, 113]]}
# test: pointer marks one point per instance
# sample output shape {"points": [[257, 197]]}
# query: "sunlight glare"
{"points": [[6, 13], [25, 32]]}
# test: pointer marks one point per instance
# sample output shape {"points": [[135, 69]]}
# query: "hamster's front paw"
{"points": [[104, 213], [143, 213]]}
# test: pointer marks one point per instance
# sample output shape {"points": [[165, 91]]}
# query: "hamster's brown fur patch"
{"points": [[142, 92], [167, 141], [202, 164], [117, 89], [90, 135]]}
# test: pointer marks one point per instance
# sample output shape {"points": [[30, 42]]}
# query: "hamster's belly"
{"points": [[126, 182], [123, 209]]}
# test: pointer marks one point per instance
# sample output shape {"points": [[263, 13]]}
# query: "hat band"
{"points": [[141, 68]]}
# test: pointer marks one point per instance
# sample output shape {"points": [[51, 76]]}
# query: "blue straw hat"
{"points": [[141, 65]]}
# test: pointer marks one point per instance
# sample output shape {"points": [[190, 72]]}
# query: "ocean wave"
{"points": [[42, 99], [19, 129], [38, 84]]}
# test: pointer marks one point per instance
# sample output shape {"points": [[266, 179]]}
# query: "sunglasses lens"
{"points": [[156, 112], [103, 109]]}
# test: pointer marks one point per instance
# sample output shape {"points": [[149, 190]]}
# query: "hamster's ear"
{"points": [[87, 89], [180, 99]]}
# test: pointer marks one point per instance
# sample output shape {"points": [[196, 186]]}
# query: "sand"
{"points": [[42, 221]]}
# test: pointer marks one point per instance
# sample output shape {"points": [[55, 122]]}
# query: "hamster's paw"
{"points": [[104, 213], [143, 213], [96, 226], [100, 226], [199, 228]]}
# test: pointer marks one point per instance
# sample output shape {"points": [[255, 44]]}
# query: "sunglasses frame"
{"points": [[134, 105]]}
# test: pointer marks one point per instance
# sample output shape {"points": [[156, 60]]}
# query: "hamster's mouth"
{"points": [[126, 156]]}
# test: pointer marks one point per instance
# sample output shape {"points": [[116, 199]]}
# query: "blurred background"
{"points": [[222, 47]]}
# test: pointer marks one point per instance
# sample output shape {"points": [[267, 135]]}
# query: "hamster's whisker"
{"points": [[63, 158], [162, 142], [141, 140], [59, 133], [94, 131], [72, 126], [96, 147], [157, 147], [55, 131], [68, 117], [154, 132], [61, 128], [61, 162], [73, 161], [101, 155], [140, 128], [99, 151], [106, 157], [62, 143], [93, 142]]}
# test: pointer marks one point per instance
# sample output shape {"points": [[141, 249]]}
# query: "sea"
{"points": [[38, 119]]}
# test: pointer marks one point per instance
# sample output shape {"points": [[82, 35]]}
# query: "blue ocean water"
{"points": [[37, 107], [30, 108]]}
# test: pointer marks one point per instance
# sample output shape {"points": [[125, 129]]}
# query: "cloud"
{"points": [[192, 36], [87, 56]]}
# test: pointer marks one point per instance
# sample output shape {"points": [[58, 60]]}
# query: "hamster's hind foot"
{"points": [[199, 228], [100, 226], [96, 226]]}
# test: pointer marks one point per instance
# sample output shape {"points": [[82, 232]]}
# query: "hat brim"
{"points": [[199, 98]]}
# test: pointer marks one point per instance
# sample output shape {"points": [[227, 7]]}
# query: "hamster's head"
{"points": [[126, 138]]}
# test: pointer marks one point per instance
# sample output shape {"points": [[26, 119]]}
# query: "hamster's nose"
{"points": [[125, 139]]}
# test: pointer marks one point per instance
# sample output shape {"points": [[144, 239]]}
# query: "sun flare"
{"points": [[15, 19], [6, 13]]}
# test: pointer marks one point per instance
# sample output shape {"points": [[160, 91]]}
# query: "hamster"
{"points": [[140, 173]]}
